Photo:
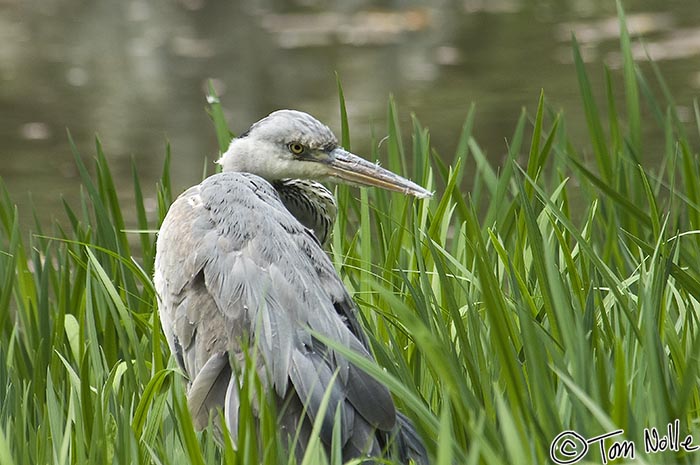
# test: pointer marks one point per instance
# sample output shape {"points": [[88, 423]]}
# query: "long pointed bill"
{"points": [[355, 170]]}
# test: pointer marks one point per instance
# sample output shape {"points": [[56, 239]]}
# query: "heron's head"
{"points": [[293, 144]]}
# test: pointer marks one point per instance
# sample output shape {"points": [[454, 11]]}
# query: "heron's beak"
{"points": [[355, 170]]}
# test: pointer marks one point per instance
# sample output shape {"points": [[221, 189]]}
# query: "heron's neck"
{"points": [[240, 158], [310, 203]]}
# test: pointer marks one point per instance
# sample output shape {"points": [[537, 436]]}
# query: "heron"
{"points": [[240, 266]]}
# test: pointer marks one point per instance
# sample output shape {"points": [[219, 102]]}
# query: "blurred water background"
{"points": [[134, 72]]}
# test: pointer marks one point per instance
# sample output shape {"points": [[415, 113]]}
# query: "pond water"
{"points": [[134, 72]]}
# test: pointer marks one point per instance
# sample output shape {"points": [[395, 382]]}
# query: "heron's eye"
{"points": [[296, 148]]}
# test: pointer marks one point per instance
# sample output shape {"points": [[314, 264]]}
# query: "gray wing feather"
{"points": [[208, 389], [231, 404], [311, 376], [233, 264]]}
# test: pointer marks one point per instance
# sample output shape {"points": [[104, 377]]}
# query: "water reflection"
{"points": [[135, 71]]}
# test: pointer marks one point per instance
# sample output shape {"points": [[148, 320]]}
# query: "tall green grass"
{"points": [[560, 293]]}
